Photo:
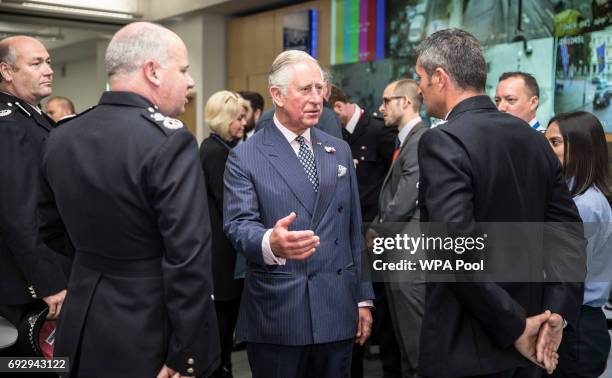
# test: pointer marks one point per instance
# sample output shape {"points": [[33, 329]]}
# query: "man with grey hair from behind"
{"points": [[128, 183], [291, 207], [469, 172]]}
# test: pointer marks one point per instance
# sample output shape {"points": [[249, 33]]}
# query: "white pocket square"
{"points": [[341, 170]]}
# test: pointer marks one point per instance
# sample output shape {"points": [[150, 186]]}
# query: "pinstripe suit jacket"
{"points": [[303, 302]]}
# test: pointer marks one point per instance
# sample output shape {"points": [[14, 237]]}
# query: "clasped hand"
{"points": [[541, 339]]}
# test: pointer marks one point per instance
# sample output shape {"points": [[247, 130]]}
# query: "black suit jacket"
{"points": [[29, 270], [213, 155], [488, 166], [372, 145], [129, 186]]}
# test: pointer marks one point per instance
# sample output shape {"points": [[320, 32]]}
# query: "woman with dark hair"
{"points": [[579, 142], [225, 115]]}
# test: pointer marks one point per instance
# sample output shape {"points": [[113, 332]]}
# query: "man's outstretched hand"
{"points": [[297, 245]]}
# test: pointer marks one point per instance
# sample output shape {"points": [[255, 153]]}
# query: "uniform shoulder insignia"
{"points": [[172, 123], [5, 112]]}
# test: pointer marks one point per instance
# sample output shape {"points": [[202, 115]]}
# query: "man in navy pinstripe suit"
{"points": [[292, 209]]}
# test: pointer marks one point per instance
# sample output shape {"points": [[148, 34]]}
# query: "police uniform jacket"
{"points": [[128, 185], [29, 270], [372, 145]]}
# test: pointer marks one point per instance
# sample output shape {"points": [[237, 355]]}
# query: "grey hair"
{"points": [[281, 73], [7, 55], [134, 44], [458, 53]]}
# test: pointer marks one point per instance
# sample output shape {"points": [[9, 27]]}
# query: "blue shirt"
{"points": [[596, 215]]}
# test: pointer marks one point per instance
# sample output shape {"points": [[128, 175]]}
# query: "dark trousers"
{"points": [[329, 360], [227, 315], [584, 351], [523, 372]]}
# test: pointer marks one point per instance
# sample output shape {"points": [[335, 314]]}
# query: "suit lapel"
{"points": [[403, 149], [327, 169], [284, 160]]}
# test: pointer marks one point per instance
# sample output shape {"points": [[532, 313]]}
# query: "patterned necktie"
{"points": [[397, 148], [307, 159]]}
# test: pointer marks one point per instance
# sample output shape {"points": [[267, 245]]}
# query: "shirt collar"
{"points": [[290, 135], [403, 133], [352, 123]]}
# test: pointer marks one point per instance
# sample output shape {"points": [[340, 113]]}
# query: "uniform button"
{"points": [[190, 361], [190, 370], [417, 203], [363, 158], [417, 185], [212, 296], [336, 242]]}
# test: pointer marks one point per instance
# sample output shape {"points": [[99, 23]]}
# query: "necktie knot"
{"points": [[300, 139]]}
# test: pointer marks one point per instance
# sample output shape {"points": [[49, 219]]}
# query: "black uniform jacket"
{"points": [[488, 166], [213, 155], [128, 185], [372, 144], [29, 270]]}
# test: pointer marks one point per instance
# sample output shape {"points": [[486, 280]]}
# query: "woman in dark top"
{"points": [[225, 115]]}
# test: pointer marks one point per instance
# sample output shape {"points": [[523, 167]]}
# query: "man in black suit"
{"points": [[372, 146], [472, 169], [128, 184], [29, 271]]}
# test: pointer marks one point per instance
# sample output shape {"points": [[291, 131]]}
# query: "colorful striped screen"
{"points": [[358, 31]]}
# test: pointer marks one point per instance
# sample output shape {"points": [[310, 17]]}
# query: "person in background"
{"points": [[579, 141], [31, 274], [372, 146], [256, 105], [226, 116], [59, 108], [518, 93]]}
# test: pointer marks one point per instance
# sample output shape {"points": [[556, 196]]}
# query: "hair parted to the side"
{"points": [[585, 156], [134, 44], [281, 73], [458, 53], [222, 108]]}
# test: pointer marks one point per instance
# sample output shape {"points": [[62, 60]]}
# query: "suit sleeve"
{"points": [[213, 165], [20, 178], [386, 145], [177, 184], [241, 216], [565, 251], [403, 205], [357, 247], [447, 178]]}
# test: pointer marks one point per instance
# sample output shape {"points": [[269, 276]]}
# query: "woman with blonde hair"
{"points": [[225, 115]]}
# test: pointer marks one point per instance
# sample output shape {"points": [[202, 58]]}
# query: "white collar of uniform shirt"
{"points": [[290, 136], [352, 123], [403, 133]]}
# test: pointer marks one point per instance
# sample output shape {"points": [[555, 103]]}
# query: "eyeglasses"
{"points": [[387, 100]]}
